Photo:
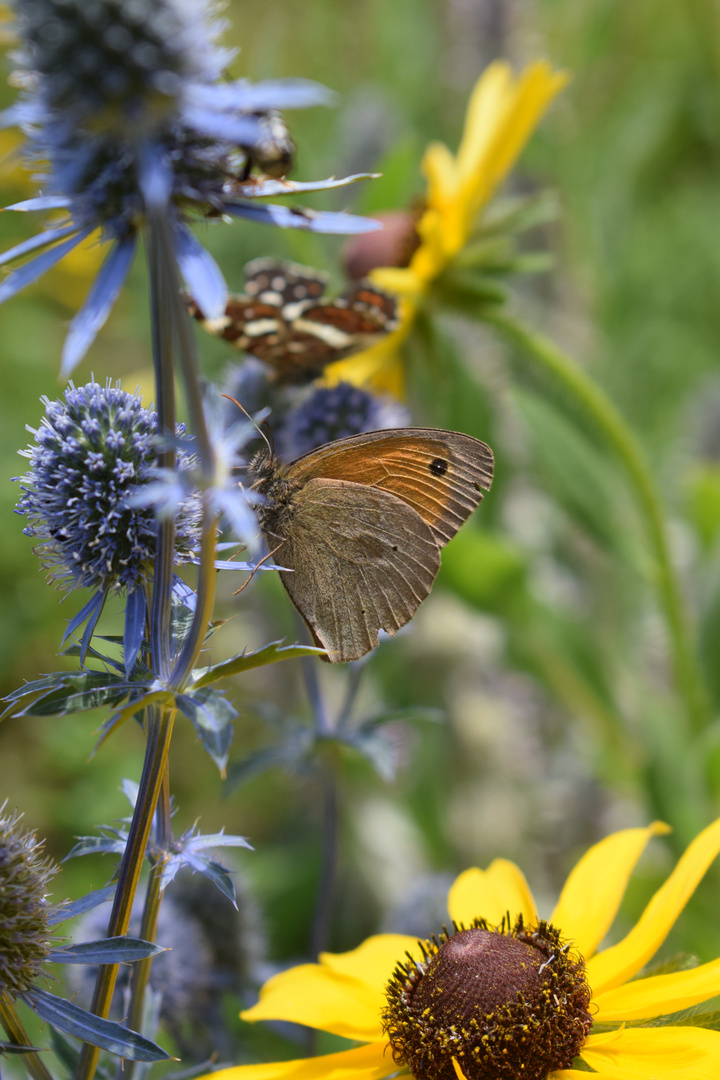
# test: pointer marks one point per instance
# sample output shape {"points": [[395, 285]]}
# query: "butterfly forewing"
{"points": [[361, 561], [283, 283], [442, 475]]}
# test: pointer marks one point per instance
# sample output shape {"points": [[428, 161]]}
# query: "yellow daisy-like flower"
{"points": [[357, 994], [502, 114]]}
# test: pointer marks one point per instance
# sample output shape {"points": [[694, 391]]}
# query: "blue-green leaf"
{"points": [[79, 907], [77, 693], [113, 950], [212, 716], [92, 1029]]}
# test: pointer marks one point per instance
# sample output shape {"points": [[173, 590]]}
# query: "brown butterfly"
{"points": [[359, 524], [284, 319]]}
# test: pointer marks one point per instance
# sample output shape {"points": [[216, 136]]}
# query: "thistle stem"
{"points": [[141, 970], [205, 600], [148, 931], [161, 323], [186, 350], [607, 418], [160, 726], [19, 1037]]}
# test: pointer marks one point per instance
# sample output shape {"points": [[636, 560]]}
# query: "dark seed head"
{"points": [[503, 1003]]}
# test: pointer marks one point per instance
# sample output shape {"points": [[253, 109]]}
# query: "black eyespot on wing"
{"points": [[438, 466]]}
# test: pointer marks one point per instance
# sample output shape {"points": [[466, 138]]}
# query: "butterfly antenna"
{"points": [[268, 441], [255, 568]]}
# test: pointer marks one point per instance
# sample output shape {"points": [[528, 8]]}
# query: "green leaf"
{"points": [[486, 569], [65, 1051], [703, 501], [583, 480], [269, 654], [377, 750], [286, 755], [92, 1029], [518, 214], [469, 293]]}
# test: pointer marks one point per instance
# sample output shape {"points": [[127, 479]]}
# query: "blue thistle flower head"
{"points": [[117, 63], [126, 112], [92, 454], [336, 412]]}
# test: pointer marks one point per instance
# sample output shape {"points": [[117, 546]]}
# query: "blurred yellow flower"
{"points": [[502, 114], [348, 993], [7, 34]]}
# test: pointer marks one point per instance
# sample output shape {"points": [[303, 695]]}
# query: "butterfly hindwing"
{"points": [[360, 560]]}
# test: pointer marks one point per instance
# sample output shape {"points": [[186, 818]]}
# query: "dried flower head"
{"points": [[25, 940]]}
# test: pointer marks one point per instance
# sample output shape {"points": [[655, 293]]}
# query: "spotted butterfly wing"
{"points": [[285, 320]]}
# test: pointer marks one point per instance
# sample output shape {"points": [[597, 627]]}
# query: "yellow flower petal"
{"points": [[439, 169], [487, 111], [401, 280], [313, 995], [490, 894], [659, 995], [592, 893], [374, 961], [575, 1074], [381, 365], [502, 114], [665, 1053], [458, 1071], [363, 1063], [616, 965]]}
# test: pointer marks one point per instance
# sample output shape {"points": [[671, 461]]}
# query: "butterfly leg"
{"points": [[257, 566]]}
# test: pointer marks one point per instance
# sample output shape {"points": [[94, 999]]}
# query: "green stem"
{"points": [[16, 1034], [160, 726], [688, 676]]}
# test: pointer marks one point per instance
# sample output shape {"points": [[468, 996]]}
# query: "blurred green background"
{"points": [[541, 643]]}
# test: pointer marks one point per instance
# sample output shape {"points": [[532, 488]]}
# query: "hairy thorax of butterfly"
{"points": [[277, 489]]}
